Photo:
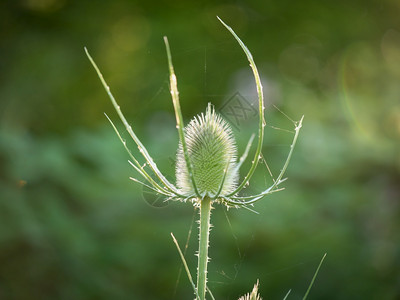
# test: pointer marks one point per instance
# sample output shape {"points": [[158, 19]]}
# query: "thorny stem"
{"points": [[204, 234]]}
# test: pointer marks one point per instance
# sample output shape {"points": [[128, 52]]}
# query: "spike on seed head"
{"points": [[212, 151], [253, 295]]}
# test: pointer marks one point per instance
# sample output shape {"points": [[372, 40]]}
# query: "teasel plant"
{"points": [[207, 165]]}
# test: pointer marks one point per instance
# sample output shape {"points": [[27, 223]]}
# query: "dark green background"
{"points": [[73, 226]]}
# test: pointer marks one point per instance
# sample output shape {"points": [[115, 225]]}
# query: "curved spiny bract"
{"points": [[213, 156], [261, 108]]}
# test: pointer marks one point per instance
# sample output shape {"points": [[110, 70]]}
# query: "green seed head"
{"points": [[212, 152]]}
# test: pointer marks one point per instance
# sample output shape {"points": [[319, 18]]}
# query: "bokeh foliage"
{"points": [[72, 225]]}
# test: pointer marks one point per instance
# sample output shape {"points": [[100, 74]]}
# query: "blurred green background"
{"points": [[73, 226]]}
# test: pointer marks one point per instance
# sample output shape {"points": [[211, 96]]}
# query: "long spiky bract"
{"points": [[260, 109], [178, 114], [155, 186], [314, 277], [171, 188], [185, 265]]}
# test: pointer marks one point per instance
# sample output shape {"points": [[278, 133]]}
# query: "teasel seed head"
{"points": [[212, 152], [253, 295]]}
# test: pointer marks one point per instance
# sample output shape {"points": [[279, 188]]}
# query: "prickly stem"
{"points": [[204, 234]]}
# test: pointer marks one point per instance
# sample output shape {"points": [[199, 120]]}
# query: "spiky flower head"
{"points": [[253, 295], [213, 154]]}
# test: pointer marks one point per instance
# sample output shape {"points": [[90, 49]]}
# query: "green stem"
{"points": [[204, 234]]}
